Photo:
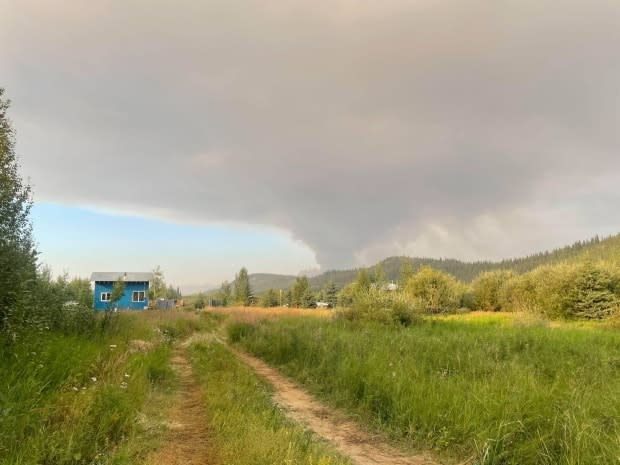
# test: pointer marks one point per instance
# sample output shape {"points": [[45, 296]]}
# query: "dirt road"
{"points": [[347, 437], [187, 441]]}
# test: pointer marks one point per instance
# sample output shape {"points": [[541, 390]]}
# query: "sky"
{"points": [[292, 135]]}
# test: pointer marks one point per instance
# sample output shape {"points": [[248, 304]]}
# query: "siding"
{"points": [[125, 303]]}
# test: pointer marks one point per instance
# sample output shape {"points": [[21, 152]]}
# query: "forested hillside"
{"points": [[596, 249]]}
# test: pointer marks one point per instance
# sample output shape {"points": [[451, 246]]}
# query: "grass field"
{"points": [[499, 389], [72, 399], [250, 314], [103, 398], [247, 429]]}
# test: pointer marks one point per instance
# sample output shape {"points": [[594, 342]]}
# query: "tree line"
{"points": [[584, 289]]}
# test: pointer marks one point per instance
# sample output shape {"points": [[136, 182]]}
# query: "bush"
{"points": [[378, 305], [584, 291], [487, 287], [434, 291], [346, 294], [199, 303]]}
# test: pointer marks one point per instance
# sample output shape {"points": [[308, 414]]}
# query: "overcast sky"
{"points": [[349, 130]]}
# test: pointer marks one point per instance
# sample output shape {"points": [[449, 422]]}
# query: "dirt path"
{"points": [[187, 440], [346, 436]]}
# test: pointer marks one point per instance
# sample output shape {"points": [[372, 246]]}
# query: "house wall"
{"points": [[125, 303]]}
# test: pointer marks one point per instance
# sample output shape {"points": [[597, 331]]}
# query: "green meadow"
{"points": [[495, 390], [247, 428]]}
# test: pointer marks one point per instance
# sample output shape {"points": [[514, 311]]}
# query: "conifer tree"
{"points": [[299, 290], [243, 293], [591, 295], [308, 299], [331, 294]]}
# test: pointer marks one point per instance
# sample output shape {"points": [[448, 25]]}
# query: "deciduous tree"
{"points": [[17, 252]]}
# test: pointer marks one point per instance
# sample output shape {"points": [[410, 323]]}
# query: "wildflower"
{"points": [[75, 389], [123, 385], [113, 346], [126, 375], [94, 379]]}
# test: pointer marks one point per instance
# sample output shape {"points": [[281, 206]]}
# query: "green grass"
{"points": [[247, 428], [69, 399], [504, 392]]}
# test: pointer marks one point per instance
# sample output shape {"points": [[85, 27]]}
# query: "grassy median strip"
{"points": [[247, 428]]}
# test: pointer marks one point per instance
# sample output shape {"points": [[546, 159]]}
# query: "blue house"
{"points": [[136, 292]]}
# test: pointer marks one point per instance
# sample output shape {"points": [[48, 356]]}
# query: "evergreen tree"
{"points": [[331, 294], [299, 290], [17, 252], [591, 294], [288, 298], [243, 293], [308, 300]]}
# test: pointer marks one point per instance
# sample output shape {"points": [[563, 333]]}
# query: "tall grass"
{"points": [[503, 393], [70, 399], [247, 428]]}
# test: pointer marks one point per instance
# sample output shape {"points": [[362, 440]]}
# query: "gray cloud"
{"points": [[362, 128]]}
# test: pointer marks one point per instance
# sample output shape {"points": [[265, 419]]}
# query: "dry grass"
{"points": [[252, 314], [164, 316]]}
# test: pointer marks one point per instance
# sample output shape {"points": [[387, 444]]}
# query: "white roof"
{"points": [[113, 276]]}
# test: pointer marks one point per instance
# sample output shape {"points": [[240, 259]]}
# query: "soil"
{"points": [[347, 437], [187, 441]]}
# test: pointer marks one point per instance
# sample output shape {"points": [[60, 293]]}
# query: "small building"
{"points": [[136, 292]]}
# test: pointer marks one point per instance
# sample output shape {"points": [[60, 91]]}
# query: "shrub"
{"points": [[434, 291], [584, 291], [378, 305], [487, 287], [518, 294], [346, 294], [199, 303]]}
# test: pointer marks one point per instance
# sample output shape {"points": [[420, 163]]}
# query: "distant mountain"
{"points": [[261, 282], [594, 249]]}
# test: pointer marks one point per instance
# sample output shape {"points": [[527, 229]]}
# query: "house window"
{"points": [[105, 296], [138, 296]]}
